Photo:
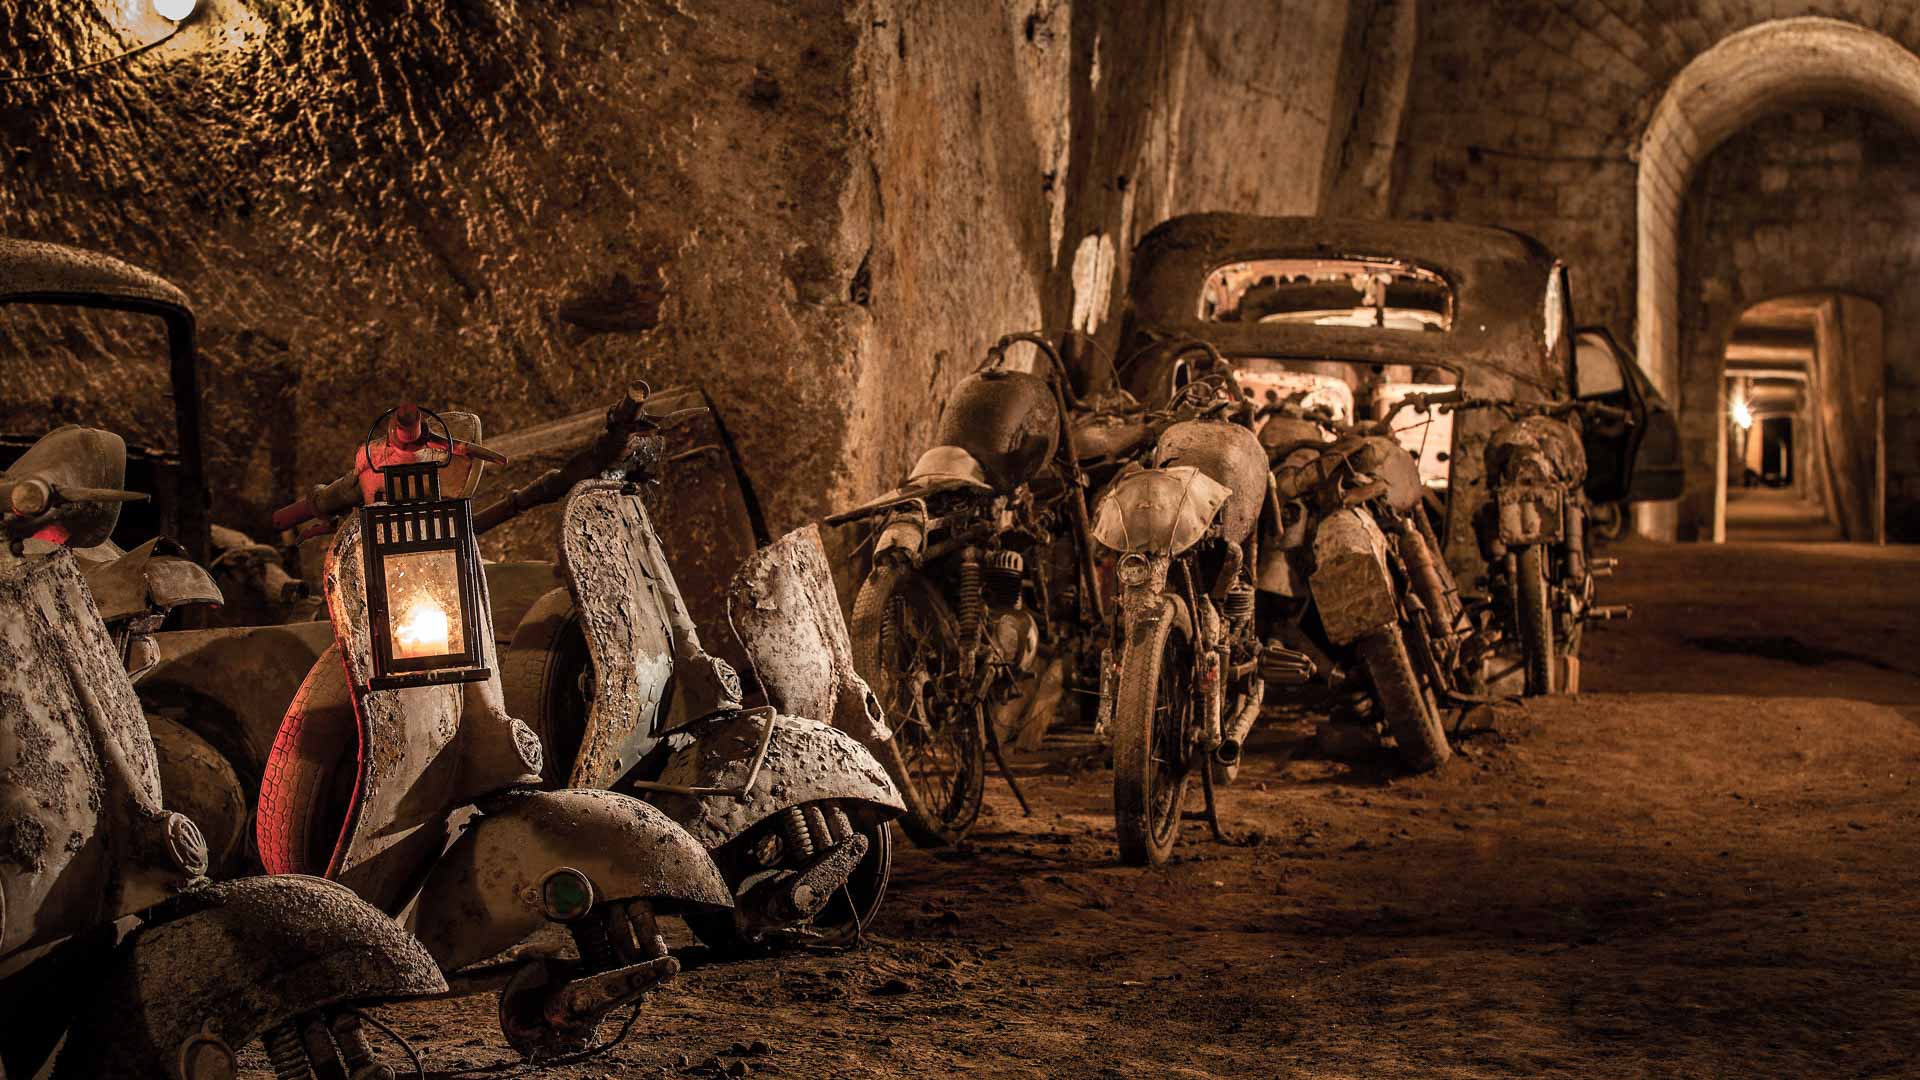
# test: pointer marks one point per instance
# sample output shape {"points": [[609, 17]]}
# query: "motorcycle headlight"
{"points": [[1134, 570]]}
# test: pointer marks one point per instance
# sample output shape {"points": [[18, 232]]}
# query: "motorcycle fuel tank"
{"points": [[1230, 455], [1008, 420]]}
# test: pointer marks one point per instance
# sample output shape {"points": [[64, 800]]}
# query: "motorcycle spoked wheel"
{"points": [[1536, 621], [1152, 754], [906, 643], [1408, 708], [845, 916]]}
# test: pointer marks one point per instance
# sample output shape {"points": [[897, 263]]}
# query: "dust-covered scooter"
{"points": [[110, 937], [610, 670], [399, 773]]}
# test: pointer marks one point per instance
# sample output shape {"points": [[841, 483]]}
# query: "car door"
{"points": [[1637, 463]]}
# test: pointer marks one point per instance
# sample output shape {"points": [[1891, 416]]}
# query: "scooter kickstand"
{"points": [[1006, 773], [1212, 812]]}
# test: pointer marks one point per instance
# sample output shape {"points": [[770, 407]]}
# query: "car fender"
{"points": [[234, 960], [1352, 585], [483, 895], [806, 761]]}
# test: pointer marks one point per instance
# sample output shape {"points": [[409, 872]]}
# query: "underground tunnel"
{"points": [[882, 538]]}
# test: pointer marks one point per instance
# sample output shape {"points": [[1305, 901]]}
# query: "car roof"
{"points": [[1499, 279]]}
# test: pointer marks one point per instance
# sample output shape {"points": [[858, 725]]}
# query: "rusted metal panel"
{"points": [[632, 615], [83, 836], [806, 761], [482, 898], [1352, 585], [239, 958], [790, 623]]}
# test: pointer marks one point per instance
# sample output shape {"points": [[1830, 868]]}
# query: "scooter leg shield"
{"points": [[232, 961], [806, 761], [484, 894]]}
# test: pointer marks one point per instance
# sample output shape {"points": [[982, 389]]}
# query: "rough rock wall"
{"points": [[823, 210], [1820, 199]]}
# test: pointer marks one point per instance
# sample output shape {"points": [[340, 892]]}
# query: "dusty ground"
{"points": [[1703, 866]]}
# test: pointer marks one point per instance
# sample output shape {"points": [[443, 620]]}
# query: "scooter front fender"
{"points": [[234, 960], [483, 895], [806, 761]]}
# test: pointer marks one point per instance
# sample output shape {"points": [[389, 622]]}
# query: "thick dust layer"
{"points": [[1684, 881]]}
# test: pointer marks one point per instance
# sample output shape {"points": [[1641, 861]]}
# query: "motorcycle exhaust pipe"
{"points": [[1235, 735]]}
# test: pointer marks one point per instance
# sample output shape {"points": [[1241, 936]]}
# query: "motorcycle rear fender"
{"points": [[235, 960], [1353, 587], [783, 607], [483, 895], [806, 761]]}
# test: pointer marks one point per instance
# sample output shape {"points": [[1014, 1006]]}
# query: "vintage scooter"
{"points": [[983, 565], [1183, 683], [110, 937], [610, 671], [399, 773]]}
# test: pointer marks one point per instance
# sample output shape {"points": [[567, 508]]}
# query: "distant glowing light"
{"points": [[1742, 414], [176, 10]]}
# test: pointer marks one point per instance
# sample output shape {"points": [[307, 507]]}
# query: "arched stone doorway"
{"points": [[1686, 316]]}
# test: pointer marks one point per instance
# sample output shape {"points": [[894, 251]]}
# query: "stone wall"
{"points": [[822, 210], [1820, 199]]}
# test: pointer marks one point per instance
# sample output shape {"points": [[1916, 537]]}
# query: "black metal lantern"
{"points": [[424, 586]]}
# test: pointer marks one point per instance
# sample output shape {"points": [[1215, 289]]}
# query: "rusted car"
{"points": [[1344, 319], [201, 970]]}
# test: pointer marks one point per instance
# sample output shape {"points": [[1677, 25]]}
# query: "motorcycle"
{"points": [[442, 818], [610, 671], [1535, 533], [1364, 579], [1182, 683], [111, 939], [983, 565]]}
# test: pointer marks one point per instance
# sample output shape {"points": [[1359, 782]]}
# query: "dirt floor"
{"points": [[1703, 865]]}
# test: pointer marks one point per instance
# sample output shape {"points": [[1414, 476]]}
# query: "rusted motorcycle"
{"points": [[1535, 532], [110, 936], [399, 773], [1363, 578], [610, 671], [1183, 685], [982, 564]]}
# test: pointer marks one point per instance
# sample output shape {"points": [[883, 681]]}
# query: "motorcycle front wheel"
{"points": [[1536, 622], [907, 645], [1410, 714], [1152, 713]]}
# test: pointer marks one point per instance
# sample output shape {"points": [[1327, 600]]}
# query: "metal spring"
{"points": [[287, 1052], [799, 837], [970, 603]]}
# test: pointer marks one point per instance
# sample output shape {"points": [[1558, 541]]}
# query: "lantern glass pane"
{"points": [[423, 604]]}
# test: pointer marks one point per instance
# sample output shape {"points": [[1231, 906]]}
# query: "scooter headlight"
{"points": [[1134, 570], [566, 894]]}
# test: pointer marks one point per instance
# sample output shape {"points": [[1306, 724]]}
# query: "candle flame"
{"points": [[424, 630]]}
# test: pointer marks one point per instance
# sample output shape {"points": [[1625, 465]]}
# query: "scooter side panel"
{"points": [[806, 761], [241, 957], [483, 895], [787, 615], [633, 618], [83, 837]]}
